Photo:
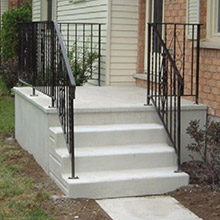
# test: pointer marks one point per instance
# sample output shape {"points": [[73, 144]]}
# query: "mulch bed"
{"points": [[199, 196]]}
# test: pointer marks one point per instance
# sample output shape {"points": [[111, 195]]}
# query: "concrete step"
{"points": [[117, 158], [119, 134], [102, 116], [124, 183], [113, 134]]}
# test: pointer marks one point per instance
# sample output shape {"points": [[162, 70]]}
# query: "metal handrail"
{"points": [[64, 52], [44, 64], [165, 80]]}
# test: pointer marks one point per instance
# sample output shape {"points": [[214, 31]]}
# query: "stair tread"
{"points": [[117, 127], [120, 175], [118, 150], [111, 127], [123, 150]]}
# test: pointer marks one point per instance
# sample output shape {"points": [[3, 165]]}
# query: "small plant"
{"points": [[207, 145], [82, 63]]}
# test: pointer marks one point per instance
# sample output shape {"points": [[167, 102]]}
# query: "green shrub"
{"points": [[207, 145], [83, 66], [10, 42], [10, 30]]}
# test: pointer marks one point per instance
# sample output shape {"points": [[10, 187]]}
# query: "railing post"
{"points": [[99, 54], [52, 63], [33, 33], [71, 130], [197, 63], [179, 126], [148, 64]]}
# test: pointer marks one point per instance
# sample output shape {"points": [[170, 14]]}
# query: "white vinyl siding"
{"points": [[92, 11], [39, 11], [36, 10], [193, 15], [124, 42]]}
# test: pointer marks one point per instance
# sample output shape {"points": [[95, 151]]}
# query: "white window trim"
{"points": [[212, 14], [197, 19]]}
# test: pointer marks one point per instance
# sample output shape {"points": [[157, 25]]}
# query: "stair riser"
{"points": [[126, 188], [121, 162], [127, 117], [56, 172], [110, 138]]}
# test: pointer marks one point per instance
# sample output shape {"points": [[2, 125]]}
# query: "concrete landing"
{"points": [[117, 97], [146, 208]]}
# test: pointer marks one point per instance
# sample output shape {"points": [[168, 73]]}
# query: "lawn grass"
{"points": [[19, 198]]}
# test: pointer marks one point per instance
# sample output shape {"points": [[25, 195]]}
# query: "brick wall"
{"points": [[209, 88], [16, 3]]}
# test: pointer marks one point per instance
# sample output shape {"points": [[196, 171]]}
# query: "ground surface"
{"points": [[43, 192]]}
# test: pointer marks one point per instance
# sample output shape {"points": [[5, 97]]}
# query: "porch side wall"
{"points": [[32, 126], [123, 42]]}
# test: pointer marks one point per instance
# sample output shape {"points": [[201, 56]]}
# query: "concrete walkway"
{"points": [[146, 208]]}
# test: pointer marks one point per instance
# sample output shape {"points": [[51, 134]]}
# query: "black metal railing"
{"points": [[45, 66], [84, 48], [173, 72]]}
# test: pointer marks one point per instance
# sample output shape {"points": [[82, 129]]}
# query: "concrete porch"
{"points": [[121, 147]]}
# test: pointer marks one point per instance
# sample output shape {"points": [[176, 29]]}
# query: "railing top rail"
{"points": [[180, 78], [80, 23], [64, 53], [170, 23]]}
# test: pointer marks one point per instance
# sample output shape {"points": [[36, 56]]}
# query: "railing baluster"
{"points": [[192, 58], [99, 56]]}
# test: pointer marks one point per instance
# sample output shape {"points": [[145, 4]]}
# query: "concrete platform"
{"points": [[117, 97], [146, 208]]}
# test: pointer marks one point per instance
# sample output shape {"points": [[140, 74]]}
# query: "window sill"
{"points": [[142, 76], [210, 45]]}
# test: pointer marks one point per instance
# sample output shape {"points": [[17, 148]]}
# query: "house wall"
{"points": [[16, 3], [124, 41], [36, 10]]}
